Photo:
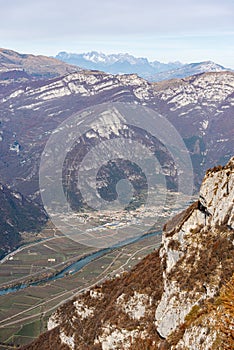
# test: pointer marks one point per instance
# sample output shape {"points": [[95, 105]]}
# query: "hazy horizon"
{"points": [[194, 31], [38, 53]]}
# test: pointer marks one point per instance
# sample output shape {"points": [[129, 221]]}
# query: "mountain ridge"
{"points": [[198, 116], [199, 107], [128, 64], [178, 297], [37, 66]]}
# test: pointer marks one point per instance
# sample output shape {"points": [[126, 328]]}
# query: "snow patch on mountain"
{"points": [[189, 70], [124, 63]]}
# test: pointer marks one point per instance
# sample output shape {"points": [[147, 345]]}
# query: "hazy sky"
{"points": [[167, 30]]}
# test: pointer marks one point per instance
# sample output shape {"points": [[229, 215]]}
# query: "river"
{"points": [[78, 265]]}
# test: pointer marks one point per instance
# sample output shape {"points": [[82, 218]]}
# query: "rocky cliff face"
{"points": [[197, 255], [17, 214], [200, 108], [179, 297]]}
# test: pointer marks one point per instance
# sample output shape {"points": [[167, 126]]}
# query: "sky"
{"points": [[166, 30]]}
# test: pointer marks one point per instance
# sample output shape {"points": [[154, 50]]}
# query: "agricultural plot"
{"points": [[25, 313]]}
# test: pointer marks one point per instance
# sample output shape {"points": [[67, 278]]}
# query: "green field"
{"points": [[24, 314]]}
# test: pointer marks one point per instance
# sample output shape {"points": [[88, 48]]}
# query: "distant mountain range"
{"points": [[32, 106], [28, 66], [128, 64], [37, 94], [200, 107], [32, 66]]}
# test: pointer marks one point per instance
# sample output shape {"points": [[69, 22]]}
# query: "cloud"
{"points": [[186, 30], [30, 20]]}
